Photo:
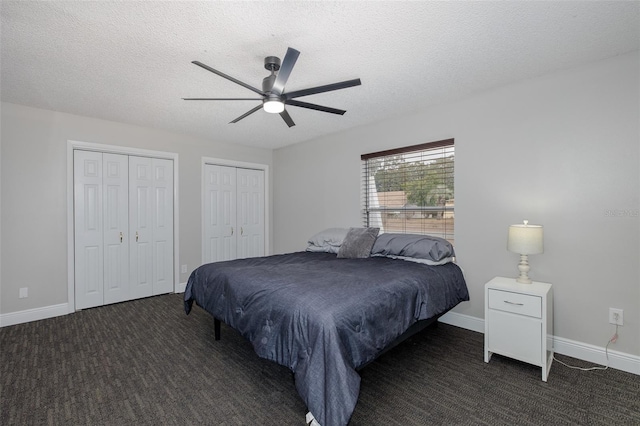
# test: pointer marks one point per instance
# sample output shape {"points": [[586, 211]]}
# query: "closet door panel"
{"points": [[116, 227], [250, 189], [162, 226], [88, 223], [219, 213], [140, 225]]}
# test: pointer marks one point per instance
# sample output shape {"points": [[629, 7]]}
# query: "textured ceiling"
{"points": [[131, 61]]}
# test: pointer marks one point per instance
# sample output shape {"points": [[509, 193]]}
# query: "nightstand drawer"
{"points": [[517, 303]]}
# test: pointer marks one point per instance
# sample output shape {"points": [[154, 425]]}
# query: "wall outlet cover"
{"points": [[616, 316]]}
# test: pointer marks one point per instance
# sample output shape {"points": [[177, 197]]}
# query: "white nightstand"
{"points": [[518, 321]]}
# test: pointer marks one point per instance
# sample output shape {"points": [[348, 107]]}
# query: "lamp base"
{"points": [[524, 269]]}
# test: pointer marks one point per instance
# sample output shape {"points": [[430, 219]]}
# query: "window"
{"points": [[410, 190]]}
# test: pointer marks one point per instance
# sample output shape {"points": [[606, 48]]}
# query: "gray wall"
{"points": [[34, 194], [560, 150]]}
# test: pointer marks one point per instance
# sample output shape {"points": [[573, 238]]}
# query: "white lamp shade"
{"points": [[525, 239]]}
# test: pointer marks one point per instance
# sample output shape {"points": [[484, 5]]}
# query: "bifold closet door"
{"points": [[233, 213], [151, 226], [123, 225], [101, 227], [219, 213]]}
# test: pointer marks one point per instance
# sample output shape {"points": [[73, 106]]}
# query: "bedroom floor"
{"points": [[146, 362]]}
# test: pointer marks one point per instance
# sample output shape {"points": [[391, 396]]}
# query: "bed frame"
{"points": [[414, 329]]}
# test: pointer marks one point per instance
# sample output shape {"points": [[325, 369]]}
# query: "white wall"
{"points": [[560, 150], [34, 194]]}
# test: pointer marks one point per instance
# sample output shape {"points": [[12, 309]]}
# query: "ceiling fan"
{"points": [[273, 96]]}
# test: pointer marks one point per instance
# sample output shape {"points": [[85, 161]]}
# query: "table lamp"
{"points": [[525, 239]]}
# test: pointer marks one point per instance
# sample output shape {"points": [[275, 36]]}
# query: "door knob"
{"points": [[136, 236], [121, 236]]}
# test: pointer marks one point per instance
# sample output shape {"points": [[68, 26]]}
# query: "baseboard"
{"points": [[28, 315], [596, 354], [583, 351], [463, 321], [180, 287]]}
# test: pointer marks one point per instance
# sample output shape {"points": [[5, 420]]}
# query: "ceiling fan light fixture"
{"points": [[273, 106]]}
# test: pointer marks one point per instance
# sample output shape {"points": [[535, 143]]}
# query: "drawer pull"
{"points": [[513, 303]]}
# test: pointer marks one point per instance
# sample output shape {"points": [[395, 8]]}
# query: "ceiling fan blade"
{"points": [[315, 107], [322, 89], [285, 70], [287, 118], [222, 99], [251, 111], [223, 75]]}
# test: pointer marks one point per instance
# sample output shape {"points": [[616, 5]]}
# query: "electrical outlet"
{"points": [[183, 269], [24, 292], [616, 316]]}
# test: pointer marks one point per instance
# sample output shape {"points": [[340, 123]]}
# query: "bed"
{"points": [[325, 316]]}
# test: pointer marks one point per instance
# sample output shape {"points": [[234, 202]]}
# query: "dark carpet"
{"points": [[146, 362]]}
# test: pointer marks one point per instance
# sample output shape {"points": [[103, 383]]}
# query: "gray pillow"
{"points": [[358, 242], [328, 240], [411, 245]]}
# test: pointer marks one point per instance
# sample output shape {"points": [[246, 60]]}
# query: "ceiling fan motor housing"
{"points": [[272, 63]]}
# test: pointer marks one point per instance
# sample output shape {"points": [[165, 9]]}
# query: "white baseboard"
{"points": [[596, 354], [28, 315], [583, 351], [180, 287], [463, 321]]}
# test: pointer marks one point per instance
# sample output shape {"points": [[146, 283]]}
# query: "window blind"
{"points": [[410, 190]]}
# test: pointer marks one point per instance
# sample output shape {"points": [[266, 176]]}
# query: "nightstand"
{"points": [[518, 321]]}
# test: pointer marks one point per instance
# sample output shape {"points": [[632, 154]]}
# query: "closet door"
{"points": [[123, 223], [162, 232], [88, 217], [219, 213], [116, 227], [250, 190], [141, 226]]}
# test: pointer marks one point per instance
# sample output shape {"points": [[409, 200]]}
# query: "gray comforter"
{"points": [[324, 317]]}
